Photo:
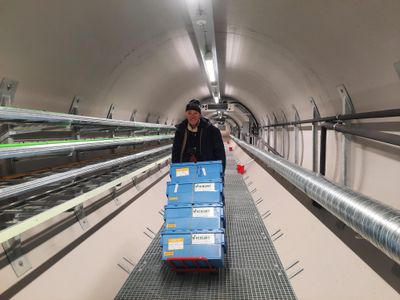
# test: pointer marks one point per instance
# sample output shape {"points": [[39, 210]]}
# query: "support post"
{"points": [[296, 136], [268, 132], [275, 134], [322, 152], [316, 114], [285, 150]]}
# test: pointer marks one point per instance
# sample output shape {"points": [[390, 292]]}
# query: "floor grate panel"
{"points": [[252, 270]]}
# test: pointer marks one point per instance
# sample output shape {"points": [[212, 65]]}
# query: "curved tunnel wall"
{"points": [[277, 53], [272, 55]]}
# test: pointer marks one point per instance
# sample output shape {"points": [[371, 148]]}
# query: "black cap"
{"points": [[194, 104]]}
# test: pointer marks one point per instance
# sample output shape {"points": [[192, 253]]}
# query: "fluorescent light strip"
{"points": [[210, 69]]}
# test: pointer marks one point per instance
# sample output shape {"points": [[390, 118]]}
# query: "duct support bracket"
{"points": [[347, 108], [275, 133], [296, 135], [285, 131], [316, 114], [268, 132]]}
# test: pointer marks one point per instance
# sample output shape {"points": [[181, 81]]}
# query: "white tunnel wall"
{"points": [[140, 55]]}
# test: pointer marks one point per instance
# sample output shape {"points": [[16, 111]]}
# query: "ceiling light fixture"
{"points": [[201, 15], [209, 64]]}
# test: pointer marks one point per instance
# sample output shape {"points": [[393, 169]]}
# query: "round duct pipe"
{"points": [[375, 221]]}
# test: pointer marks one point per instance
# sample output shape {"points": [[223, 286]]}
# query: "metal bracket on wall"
{"points": [[133, 115], [8, 88], [315, 126], [296, 135], [110, 111], [81, 216], [285, 130], [275, 132], [268, 132], [19, 262], [136, 184], [347, 108], [114, 196], [110, 116], [147, 118], [316, 114], [73, 109]]}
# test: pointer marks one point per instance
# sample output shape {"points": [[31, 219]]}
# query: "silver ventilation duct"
{"points": [[375, 221]]}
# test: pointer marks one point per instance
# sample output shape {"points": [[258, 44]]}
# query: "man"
{"points": [[196, 139]]}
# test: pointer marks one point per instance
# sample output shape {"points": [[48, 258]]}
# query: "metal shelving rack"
{"points": [[52, 163]]}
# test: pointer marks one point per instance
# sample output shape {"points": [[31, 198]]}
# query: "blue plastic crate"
{"points": [[196, 172], [195, 193], [196, 216], [209, 244]]}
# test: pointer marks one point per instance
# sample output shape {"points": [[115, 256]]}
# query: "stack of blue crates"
{"points": [[194, 215]]}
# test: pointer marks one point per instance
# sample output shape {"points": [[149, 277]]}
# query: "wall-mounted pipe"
{"points": [[375, 135], [376, 222], [389, 113]]}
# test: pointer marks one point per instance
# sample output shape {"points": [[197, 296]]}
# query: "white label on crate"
{"points": [[175, 243], [204, 171], [203, 238], [176, 188], [203, 212], [204, 187], [182, 172]]}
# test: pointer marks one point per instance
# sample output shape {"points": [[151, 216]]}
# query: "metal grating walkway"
{"points": [[252, 270]]}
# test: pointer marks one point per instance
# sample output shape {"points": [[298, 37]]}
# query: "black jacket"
{"points": [[211, 144]]}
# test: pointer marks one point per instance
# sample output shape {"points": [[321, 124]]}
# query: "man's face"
{"points": [[193, 117]]}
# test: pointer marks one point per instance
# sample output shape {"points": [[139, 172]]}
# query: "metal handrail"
{"points": [[375, 221]]}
